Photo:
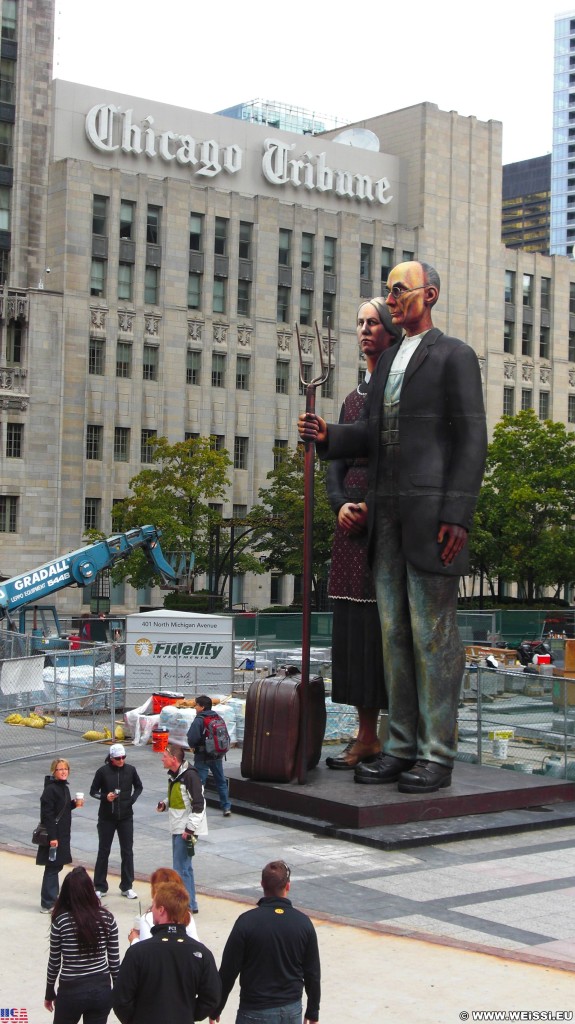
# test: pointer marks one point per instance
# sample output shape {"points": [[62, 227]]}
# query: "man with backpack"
{"points": [[209, 739]]}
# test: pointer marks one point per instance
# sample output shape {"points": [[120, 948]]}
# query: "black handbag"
{"points": [[40, 835]]}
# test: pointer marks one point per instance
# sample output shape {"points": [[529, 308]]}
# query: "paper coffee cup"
{"points": [[79, 796]]}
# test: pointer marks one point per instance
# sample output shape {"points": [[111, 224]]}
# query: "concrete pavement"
{"points": [[424, 935]]}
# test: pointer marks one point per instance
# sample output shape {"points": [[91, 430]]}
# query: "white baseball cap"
{"points": [[117, 750]]}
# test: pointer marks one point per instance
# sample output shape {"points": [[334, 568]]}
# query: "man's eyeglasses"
{"points": [[397, 290]]}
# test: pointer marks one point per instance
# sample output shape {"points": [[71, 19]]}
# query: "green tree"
{"points": [[173, 493], [278, 519], [524, 524]]}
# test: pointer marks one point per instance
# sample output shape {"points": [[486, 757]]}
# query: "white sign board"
{"points": [[179, 650]]}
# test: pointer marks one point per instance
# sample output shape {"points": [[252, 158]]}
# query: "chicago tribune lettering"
{"points": [[109, 128]]}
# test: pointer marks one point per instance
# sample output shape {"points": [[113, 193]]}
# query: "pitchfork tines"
{"points": [[325, 364]]}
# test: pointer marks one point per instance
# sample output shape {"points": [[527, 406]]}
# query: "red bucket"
{"points": [[159, 740], [160, 700]]}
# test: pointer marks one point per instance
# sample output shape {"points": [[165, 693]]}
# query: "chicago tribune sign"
{"points": [[109, 129]]}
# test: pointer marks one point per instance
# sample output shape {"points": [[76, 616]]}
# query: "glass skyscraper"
{"points": [[563, 153]]}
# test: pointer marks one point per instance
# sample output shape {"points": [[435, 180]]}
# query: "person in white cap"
{"points": [[117, 786]]}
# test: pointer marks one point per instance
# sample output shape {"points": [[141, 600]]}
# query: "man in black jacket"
{"points": [[423, 431], [274, 950], [169, 977], [117, 786]]}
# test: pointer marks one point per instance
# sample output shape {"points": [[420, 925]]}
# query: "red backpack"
{"points": [[216, 736]]}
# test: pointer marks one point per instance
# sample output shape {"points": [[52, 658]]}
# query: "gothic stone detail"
{"points": [[195, 328], [509, 371], [481, 361], [12, 394], [126, 321], [284, 341], [328, 349], [152, 325], [545, 374], [306, 342], [221, 333], [244, 336], [527, 373], [14, 307], [98, 318], [572, 378]]}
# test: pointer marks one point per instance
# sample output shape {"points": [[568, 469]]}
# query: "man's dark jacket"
{"points": [[443, 444], [106, 780], [169, 977], [274, 950]]}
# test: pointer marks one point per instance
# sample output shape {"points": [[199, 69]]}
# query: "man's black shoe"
{"points": [[385, 768], [425, 777]]}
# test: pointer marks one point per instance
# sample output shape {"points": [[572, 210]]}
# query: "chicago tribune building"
{"points": [[154, 261]]}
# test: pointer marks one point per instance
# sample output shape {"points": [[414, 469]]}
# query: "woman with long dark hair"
{"points": [[56, 808], [83, 951]]}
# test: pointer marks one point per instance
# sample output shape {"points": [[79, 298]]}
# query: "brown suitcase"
{"points": [[272, 727]]}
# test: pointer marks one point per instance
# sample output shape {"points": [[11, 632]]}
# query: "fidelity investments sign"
{"points": [[109, 128]]}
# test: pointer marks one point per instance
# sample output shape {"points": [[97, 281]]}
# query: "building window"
{"points": [[193, 366], [8, 514], [123, 359], [365, 263], [528, 289], [92, 513], [218, 370], [386, 266], [327, 310], [282, 377], [100, 216], [527, 340], [408, 256], [217, 444], [5, 200], [526, 399], [283, 306], [544, 343], [121, 444], [147, 438], [7, 80], [150, 363], [98, 278], [329, 250], [571, 408], [219, 299], [305, 311], [191, 435], [307, 251], [571, 348], [276, 589], [93, 441], [245, 243], [508, 336], [196, 231], [153, 225], [284, 249], [543, 405], [6, 141], [220, 236], [306, 372], [194, 291], [240, 452], [4, 265], [546, 293], [14, 343], [127, 210], [151, 285], [97, 356], [242, 373], [508, 401], [510, 286], [244, 295], [327, 387], [14, 440], [280, 451], [9, 19], [125, 277]]}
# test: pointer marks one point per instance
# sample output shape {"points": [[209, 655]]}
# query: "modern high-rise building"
{"points": [[526, 210], [563, 152], [156, 261], [284, 116]]}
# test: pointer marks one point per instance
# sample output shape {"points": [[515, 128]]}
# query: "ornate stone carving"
{"points": [[126, 321], [16, 307], [195, 328], [151, 324], [98, 318], [221, 333], [481, 362], [572, 378], [284, 340], [244, 335], [509, 371], [545, 374], [12, 394], [527, 373]]}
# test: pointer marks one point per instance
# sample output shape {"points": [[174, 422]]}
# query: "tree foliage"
{"points": [[173, 493], [524, 523], [278, 519]]}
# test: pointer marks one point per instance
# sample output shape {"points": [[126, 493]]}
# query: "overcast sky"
{"points": [[352, 60]]}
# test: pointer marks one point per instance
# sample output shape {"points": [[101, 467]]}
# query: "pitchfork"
{"points": [[308, 503]]}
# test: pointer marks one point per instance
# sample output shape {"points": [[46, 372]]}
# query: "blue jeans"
{"points": [[50, 884], [290, 1014], [216, 767], [422, 650], [183, 865]]}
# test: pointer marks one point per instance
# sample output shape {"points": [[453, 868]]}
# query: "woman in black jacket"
{"points": [[56, 814]]}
